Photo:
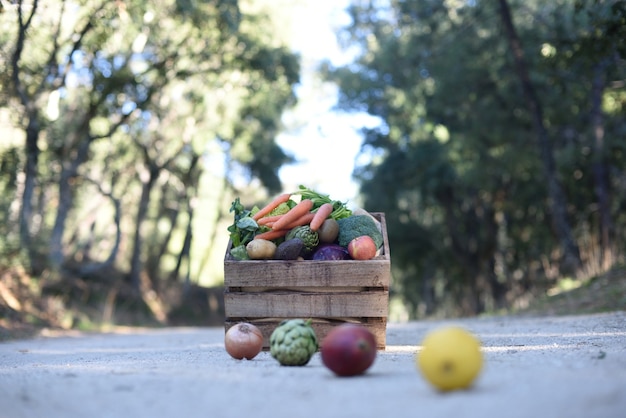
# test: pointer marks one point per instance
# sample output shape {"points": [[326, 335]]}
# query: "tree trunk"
{"points": [[30, 179], [600, 175], [135, 264], [154, 259], [185, 252], [191, 179], [32, 136], [467, 248], [94, 267], [154, 171], [69, 173], [557, 199]]}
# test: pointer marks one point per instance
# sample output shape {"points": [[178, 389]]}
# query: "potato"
{"points": [[261, 249], [328, 231]]}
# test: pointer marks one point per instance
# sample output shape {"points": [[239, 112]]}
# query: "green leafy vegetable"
{"points": [[247, 224], [340, 210], [244, 227], [240, 253]]}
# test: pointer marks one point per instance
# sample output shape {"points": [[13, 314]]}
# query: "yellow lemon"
{"points": [[450, 358]]}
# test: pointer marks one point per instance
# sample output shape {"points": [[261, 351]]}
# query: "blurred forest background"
{"points": [[128, 127]]}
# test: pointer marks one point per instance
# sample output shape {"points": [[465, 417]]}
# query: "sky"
{"points": [[326, 143]]}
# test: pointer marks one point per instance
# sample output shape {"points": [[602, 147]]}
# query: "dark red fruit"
{"points": [[348, 349]]}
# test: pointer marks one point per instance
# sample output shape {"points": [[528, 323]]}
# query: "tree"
{"points": [[472, 225], [558, 201], [599, 49], [110, 91]]}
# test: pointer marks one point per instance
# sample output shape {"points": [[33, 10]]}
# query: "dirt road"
{"points": [[572, 366]]}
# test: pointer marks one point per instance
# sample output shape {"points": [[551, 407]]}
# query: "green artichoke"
{"points": [[293, 342], [310, 238]]}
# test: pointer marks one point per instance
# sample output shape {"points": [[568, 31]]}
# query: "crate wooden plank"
{"points": [[303, 289], [293, 304], [321, 326], [280, 273]]}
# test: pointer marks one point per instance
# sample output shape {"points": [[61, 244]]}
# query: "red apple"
{"points": [[348, 349], [362, 248]]}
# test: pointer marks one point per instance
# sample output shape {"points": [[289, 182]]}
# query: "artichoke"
{"points": [[293, 342], [310, 238]]}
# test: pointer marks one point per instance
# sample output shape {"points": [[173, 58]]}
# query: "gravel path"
{"points": [[573, 366]]}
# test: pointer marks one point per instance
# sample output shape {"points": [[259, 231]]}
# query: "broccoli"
{"points": [[356, 226]]}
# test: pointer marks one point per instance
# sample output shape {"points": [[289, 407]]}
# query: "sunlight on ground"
{"points": [[565, 285], [402, 349]]}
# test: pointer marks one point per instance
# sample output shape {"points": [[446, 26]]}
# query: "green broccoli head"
{"points": [[356, 226]]}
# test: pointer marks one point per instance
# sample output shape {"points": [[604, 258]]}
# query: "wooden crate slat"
{"points": [[369, 304], [279, 273]]}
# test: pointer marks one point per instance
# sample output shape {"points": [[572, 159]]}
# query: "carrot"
{"points": [[267, 220], [322, 213], [302, 208], [281, 198], [303, 220], [272, 234]]}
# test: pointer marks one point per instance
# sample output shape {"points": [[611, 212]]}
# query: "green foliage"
{"points": [[137, 106], [454, 164]]}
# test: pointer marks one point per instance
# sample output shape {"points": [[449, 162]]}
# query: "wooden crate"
{"points": [[265, 292]]}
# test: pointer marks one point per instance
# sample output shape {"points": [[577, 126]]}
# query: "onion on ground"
{"points": [[243, 340]]}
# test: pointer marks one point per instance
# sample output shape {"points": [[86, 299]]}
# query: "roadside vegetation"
{"points": [[129, 127]]}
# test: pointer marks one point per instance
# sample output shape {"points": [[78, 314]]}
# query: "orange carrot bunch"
{"points": [[303, 213]]}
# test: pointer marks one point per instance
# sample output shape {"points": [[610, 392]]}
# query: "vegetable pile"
{"points": [[304, 225]]}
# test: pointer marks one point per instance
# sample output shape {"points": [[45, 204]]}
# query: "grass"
{"points": [[603, 293]]}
